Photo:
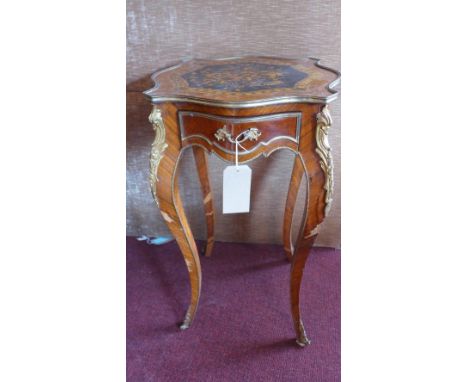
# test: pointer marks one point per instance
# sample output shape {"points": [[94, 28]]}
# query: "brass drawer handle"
{"points": [[251, 134]]}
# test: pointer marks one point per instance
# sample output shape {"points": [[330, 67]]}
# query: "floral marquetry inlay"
{"points": [[244, 77]]}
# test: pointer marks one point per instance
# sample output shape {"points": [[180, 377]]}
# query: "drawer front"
{"points": [[272, 128]]}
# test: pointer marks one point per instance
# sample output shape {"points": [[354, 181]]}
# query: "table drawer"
{"points": [[219, 130]]}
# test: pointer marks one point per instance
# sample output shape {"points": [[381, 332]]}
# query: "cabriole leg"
{"points": [[319, 188], [165, 156], [294, 184], [302, 251], [202, 168]]}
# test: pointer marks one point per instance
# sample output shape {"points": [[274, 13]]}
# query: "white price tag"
{"points": [[236, 189]]}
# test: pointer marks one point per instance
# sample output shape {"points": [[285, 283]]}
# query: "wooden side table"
{"points": [[201, 104]]}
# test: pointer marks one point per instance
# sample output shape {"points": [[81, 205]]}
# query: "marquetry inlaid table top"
{"points": [[245, 82]]}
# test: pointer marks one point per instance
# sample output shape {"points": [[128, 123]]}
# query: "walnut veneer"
{"points": [[198, 104]]}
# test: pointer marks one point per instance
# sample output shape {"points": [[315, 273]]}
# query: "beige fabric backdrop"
{"points": [[164, 31]]}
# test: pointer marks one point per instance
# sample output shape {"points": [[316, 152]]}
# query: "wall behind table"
{"points": [[162, 32]]}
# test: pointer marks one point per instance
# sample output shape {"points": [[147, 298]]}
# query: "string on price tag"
{"points": [[236, 140], [237, 179]]}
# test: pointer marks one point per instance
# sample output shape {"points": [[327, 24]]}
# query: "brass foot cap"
{"points": [[303, 342], [187, 322], [184, 326]]}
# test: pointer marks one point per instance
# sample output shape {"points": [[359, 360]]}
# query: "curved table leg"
{"points": [[163, 178], [294, 184], [202, 168], [301, 253], [319, 186], [297, 269]]}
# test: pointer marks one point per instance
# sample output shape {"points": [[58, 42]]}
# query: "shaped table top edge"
{"points": [[154, 98]]}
